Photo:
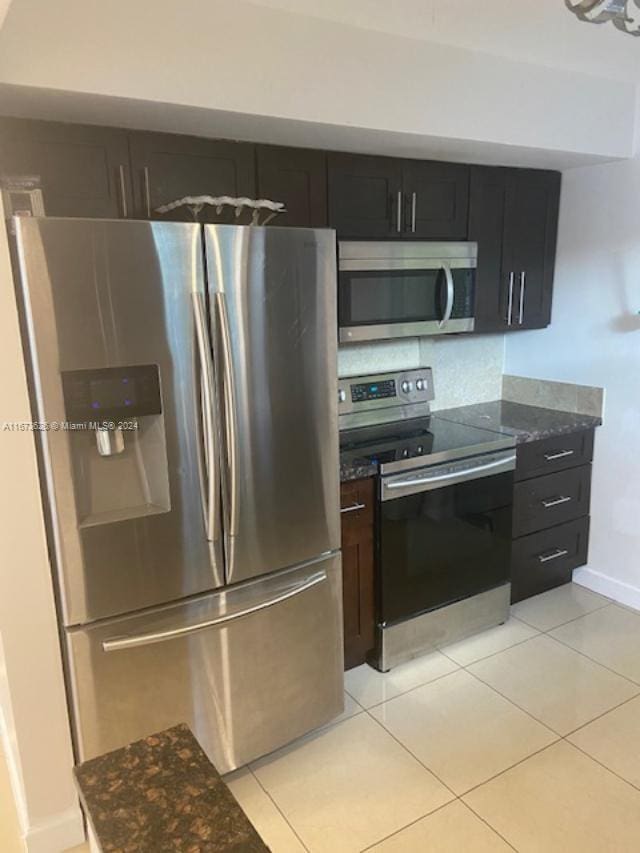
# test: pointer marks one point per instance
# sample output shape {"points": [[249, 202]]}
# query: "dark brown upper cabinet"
{"points": [[382, 197], [83, 170], [298, 178], [513, 216], [365, 196], [436, 198], [168, 167]]}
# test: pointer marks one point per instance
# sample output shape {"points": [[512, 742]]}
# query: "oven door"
{"points": [[444, 536], [387, 298]]}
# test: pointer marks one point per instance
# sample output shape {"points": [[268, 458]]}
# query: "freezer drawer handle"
{"points": [[130, 642], [545, 558], [353, 507], [555, 501], [551, 456]]}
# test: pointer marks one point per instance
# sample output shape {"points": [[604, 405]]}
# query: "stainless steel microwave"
{"points": [[408, 289]]}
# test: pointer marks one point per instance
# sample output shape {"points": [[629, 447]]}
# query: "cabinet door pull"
{"points": [[555, 555], [561, 455], [147, 191], [414, 202], [123, 192], [399, 212], [523, 284], [555, 501], [510, 304], [353, 507]]}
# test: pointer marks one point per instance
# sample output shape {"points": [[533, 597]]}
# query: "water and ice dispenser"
{"points": [[117, 442]]}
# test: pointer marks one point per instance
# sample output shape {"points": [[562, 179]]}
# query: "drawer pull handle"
{"points": [[353, 507], [560, 552], [555, 502], [551, 456]]}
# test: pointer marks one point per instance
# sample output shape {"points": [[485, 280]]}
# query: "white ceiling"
{"points": [[542, 32]]}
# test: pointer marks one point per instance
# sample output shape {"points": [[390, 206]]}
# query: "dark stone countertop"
{"points": [[526, 423], [162, 793], [357, 469]]}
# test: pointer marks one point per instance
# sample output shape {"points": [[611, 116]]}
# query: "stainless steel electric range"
{"points": [[445, 494]]}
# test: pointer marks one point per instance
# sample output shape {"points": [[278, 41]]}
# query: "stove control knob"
{"points": [[342, 395], [406, 386], [421, 385], [405, 453], [419, 450]]}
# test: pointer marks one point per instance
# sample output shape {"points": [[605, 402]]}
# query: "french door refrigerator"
{"points": [[184, 378]]}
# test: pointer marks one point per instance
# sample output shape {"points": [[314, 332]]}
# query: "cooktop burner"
{"points": [[385, 419], [399, 445]]}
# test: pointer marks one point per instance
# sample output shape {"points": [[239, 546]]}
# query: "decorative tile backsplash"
{"points": [[561, 396], [466, 369]]}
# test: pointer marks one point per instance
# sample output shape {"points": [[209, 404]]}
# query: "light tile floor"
{"points": [[524, 738]]}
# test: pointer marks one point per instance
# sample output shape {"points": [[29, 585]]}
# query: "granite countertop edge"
{"points": [[525, 423]]}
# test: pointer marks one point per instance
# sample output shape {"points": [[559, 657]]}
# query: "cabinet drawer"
{"points": [[554, 454], [546, 559], [554, 499], [356, 505]]}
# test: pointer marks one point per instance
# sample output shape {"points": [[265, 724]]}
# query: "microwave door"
{"points": [[391, 291]]}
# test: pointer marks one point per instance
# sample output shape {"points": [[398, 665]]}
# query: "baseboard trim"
{"points": [[624, 593], [60, 833]]}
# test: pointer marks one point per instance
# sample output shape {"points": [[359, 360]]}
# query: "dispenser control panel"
{"points": [[112, 393]]}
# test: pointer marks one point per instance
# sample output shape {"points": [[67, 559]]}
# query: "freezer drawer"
{"points": [[249, 668]]}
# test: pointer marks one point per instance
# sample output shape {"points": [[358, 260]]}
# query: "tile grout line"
{"points": [[278, 809], [411, 823], [560, 624], [515, 704], [593, 660], [603, 714], [410, 689], [604, 766], [493, 654]]}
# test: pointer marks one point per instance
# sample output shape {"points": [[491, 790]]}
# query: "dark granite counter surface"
{"points": [[357, 469], [162, 793], [526, 423]]}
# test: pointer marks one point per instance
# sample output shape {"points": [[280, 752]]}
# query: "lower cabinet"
{"points": [[550, 512], [547, 559], [356, 507]]}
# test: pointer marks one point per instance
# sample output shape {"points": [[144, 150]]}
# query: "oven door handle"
{"points": [[505, 463], [450, 296]]}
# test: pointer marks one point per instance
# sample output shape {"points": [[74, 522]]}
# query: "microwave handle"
{"points": [[450, 296]]}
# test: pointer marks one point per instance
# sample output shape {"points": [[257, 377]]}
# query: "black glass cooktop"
{"points": [[421, 441]]}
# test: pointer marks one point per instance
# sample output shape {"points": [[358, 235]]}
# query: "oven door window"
{"points": [[384, 297], [441, 546]]}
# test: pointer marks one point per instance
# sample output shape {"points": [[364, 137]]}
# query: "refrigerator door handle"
{"points": [[230, 415], [211, 489], [287, 590]]}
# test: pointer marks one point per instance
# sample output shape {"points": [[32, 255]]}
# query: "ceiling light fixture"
{"points": [[624, 14]]}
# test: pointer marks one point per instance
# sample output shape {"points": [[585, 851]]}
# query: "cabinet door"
{"points": [[168, 167], [83, 170], [297, 177], [365, 196], [529, 246], [487, 195], [356, 505], [436, 197]]}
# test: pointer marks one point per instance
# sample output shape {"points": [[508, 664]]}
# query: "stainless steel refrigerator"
{"points": [[186, 379]]}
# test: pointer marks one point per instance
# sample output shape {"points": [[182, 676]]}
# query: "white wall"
{"points": [[238, 57], [33, 711], [594, 338]]}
